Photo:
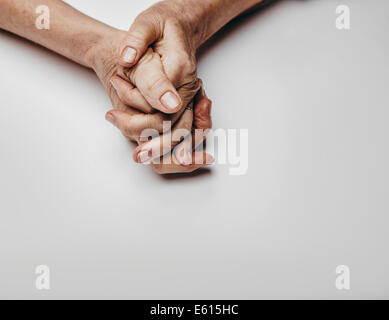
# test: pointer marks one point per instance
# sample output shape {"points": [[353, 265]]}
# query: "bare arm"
{"points": [[209, 16], [72, 34], [97, 46]]}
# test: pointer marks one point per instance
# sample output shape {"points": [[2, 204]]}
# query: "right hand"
{"points": [[131, 122], [168, 80]]}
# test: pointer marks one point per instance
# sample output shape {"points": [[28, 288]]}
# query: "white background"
{"points": [[315, 101]]}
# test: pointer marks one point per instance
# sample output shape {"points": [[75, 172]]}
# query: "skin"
{"points": [[175, 29], [165, 39], [97, 46]]}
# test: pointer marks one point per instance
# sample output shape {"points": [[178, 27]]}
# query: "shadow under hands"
{"points": [[178, 176]]}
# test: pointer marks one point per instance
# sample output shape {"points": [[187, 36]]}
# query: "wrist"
{"points": [[102, 46], [204, 18], [103, 56], [195, 16]]}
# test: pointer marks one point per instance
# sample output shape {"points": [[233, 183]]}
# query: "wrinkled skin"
{"points": [[132, 122]]}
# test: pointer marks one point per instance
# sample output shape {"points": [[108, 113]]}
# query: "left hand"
{"points": [[132, 122], [168, 28]]}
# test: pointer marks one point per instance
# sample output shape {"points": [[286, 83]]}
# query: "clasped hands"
{"points": [[149, 72], [150, 75]]}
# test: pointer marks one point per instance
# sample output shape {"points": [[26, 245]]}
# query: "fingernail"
{"points": [[144, 156], [170, 100], [129, 55], [109, 117], [113, 84]]}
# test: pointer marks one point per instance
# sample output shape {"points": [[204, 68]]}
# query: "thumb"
{"points": [[141, 35], [150, 78]]}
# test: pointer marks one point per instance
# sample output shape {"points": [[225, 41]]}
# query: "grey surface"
{"points": [[315, 101]]}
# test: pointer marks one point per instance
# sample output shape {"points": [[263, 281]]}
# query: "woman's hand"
{"points": [[168, 30], [133, 123], [174, 29], [182, 159]]}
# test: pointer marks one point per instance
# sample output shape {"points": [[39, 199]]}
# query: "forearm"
{"points": [[209, 16], [71, 33]]}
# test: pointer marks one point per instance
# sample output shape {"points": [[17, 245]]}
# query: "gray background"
{"points": [[315, 101]]}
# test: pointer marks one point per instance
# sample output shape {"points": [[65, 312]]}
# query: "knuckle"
{"points": [[155, 83], [146, 22], [187, 65], [149, 15], [190, 67], [135, 39], [195, 85], [142, 67], [172, 22], [189, 90]]}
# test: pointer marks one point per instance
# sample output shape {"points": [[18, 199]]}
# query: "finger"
{"points": [[135, 100], [170, 165], [178, 58], [117, 103], [164, 143], [181, 69], [142, 34], [130, 95], [150, 78], [188, 91], [133, 124], [183, 152], [202, 125], [202, 111], [138, 126]]}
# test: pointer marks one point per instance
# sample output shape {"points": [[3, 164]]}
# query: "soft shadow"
{"points": [[203, 172]]}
